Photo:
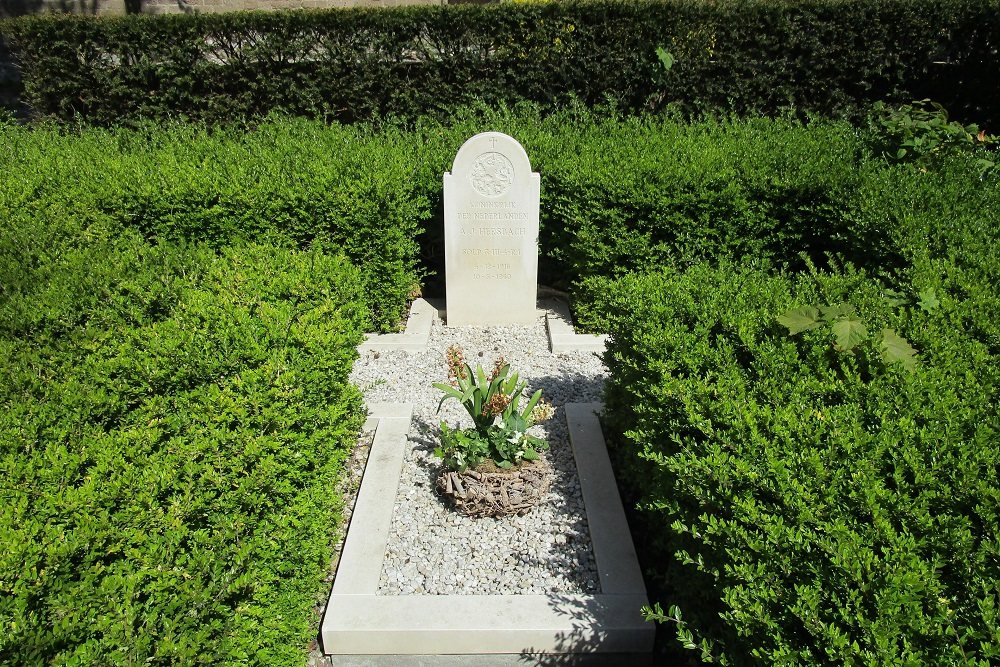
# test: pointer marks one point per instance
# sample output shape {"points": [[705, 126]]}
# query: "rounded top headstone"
{"points": [[493, 163]]}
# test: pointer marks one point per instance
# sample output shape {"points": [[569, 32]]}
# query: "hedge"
{"points": [[291, 183], [800, 504], [625, 194], [803, 504], [173, 418], [831, 57], [618, 194]]}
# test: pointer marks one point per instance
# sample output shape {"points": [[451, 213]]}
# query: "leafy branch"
{"points": [[684, 635], [849, 332]]}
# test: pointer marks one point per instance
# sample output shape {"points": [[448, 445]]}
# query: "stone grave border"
{"points": [[559, 325], [357, 621]]}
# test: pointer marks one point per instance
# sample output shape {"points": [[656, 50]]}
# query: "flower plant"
{"points": [[500, 431]]}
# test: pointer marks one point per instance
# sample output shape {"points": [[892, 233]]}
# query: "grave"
{"points": [[491, 214], [491, 233]]}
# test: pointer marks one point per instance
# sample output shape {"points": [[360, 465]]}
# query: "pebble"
{"points": [[431, 547]]}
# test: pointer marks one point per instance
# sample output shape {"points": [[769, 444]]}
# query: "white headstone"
{"points": [[491, 233]]}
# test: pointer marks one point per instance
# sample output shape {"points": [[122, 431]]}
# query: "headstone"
{"points": [[491, 233]]}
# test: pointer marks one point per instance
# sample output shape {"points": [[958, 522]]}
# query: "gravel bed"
{"points": [[432, 549]]}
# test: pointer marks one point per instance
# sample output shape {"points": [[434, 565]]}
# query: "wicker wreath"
{"points": [[491, 491]]}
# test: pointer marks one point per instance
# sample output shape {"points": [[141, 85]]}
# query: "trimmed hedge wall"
{"points": [[618, 194], [621, 195], [804, 505], [801, 505], [173, 419], [826, 56], [291, 183]]}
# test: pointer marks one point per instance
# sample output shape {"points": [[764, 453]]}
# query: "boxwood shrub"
{"points": [[172, 420], [621, 195], [800, 504], [289, 182], [618, 194]]}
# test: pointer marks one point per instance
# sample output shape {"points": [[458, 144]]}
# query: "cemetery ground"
{"points": [[181, 313]]}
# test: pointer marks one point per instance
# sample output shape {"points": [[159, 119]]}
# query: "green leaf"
{"points": [[666, 58], [928, 300], [800, 319], [896, 298], [450, 391], [532, 402], [896, 348], [837, 311], [530, 455], [849, 331]]}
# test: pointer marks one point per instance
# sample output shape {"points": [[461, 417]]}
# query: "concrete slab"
{"points": [[496, 660], [614, 552], [413, 339], [364, 547], [360, 622], [562, 336]]}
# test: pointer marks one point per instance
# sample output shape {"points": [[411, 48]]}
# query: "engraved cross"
{"points": [[493, 142]]}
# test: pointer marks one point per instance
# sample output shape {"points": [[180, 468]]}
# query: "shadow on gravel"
{"points": [[569, 387]]}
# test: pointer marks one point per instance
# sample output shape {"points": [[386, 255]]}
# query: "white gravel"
{"points": [[433, 550]]}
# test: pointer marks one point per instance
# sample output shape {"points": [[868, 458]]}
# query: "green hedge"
{"points": [[827, 56], [172, 419], [290, 183], [633, 194], [618, 194], [804, 505], [800, 504]]}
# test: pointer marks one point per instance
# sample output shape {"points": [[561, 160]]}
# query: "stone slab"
{"points": [[617, 565], [414, 337], [562, 336], [496, 660], [368, 532], [427, 624], [357, 621], [558, 323]]}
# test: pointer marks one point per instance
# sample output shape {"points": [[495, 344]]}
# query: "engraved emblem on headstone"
{"points": [[492, 174]]}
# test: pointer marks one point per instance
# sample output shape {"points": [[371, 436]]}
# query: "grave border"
{"points": [[357, 621]]}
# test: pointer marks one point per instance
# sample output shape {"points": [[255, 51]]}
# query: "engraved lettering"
{"points": [[492, 252]]}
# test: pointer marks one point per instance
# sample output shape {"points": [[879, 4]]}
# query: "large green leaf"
{"points": [[849, 331], [449, 392], [666, 58], [837, 311], [800, 319], [929, 300], [896, 348]]}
